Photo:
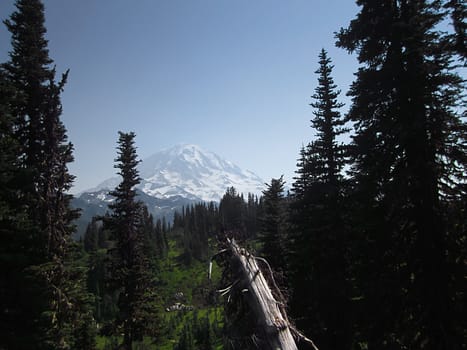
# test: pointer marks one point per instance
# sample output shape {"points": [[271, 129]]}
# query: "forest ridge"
{"points": [[368, 248]]}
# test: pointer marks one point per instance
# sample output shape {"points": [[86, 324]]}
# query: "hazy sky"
{"points": [[233, 76]]}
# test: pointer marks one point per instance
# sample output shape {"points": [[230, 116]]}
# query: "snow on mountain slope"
{"points": [[190, 172]]}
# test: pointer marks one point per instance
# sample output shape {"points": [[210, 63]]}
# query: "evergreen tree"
{"points": [[273, 228], [408, 159], [14, 227], [232, 212], [42, 245], [328, 124], [302, 180], [29, 71], [318, 260], [23, 306], [130, 265], [253, 212]]}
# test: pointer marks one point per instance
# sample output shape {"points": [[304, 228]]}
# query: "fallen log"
{"points": [[272, 324]]}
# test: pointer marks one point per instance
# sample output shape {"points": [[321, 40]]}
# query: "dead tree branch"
{"points": [[272, 324]]}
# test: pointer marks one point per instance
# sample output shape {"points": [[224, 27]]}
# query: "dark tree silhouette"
{"points": [[318, 259], [47, 309], [129, 268], [273, 227], [408, 165]]}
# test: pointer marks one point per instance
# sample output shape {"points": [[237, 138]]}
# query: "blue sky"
{"points": [[234, 77]]}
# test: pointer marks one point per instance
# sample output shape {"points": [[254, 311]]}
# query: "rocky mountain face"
{"points": [[171, 179]]}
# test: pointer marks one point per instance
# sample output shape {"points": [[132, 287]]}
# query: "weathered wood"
{"points": [[259, 296]]}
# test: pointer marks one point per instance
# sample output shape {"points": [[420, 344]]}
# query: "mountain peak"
{"points": [[189, 148], [191, 172]]}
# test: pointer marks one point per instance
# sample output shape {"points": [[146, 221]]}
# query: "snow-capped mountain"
{"points": [[171, 179], [190, 172]]}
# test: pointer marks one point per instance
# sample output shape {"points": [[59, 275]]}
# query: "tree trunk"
{"points": [[271, 320]]}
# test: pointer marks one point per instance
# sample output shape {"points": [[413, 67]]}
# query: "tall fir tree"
{"points": [[408, 158], [273, 225], [14, 226], [130, 271], [45, 307], [328, 124], [302, 179], [318, 263]]}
